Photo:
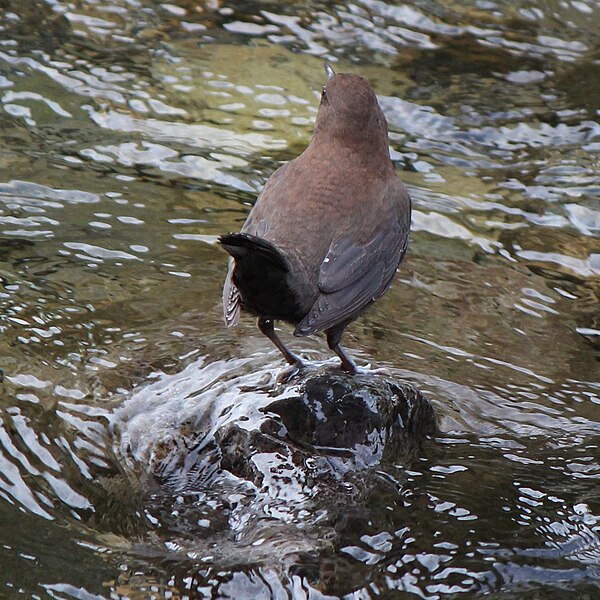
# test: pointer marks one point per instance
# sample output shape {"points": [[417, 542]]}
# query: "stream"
{"points": [[132, 134]]}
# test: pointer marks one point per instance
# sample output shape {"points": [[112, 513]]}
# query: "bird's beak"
{"points": [[328, 71]]}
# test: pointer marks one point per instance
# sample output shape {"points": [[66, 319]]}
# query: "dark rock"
{"points": [[341, 412], [325, 424], [273, 472]]}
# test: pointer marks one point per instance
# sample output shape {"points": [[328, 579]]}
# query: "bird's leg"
{"points": [[334, 335], [266, 327]]}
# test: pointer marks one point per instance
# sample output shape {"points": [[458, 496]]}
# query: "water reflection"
{"points": [[133, 134]]}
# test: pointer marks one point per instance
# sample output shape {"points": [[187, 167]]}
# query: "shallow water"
{"points": [[133, 133]]}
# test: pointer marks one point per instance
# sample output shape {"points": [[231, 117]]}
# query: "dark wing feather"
{"points": [[353, 276], [346, 262]]}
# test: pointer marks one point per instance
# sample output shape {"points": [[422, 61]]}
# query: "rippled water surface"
{"points": [[133, 133]]}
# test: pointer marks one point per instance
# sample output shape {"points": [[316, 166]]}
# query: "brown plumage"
{"points": [[328, 230]]}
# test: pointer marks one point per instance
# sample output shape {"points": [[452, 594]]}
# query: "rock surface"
{"points": [[324, 425], [268, 469]]}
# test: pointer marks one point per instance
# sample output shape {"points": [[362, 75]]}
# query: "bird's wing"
{"points": [[352, 276], [231, 298]]}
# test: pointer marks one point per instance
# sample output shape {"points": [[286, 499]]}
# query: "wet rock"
{"points": [[271, 472], [317, 429], [342, 412]]}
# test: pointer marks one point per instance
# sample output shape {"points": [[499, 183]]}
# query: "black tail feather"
{"points": [[245, 245], [263, 276]]}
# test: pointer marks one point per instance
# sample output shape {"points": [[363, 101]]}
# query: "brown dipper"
{"points": [[329, 229]]}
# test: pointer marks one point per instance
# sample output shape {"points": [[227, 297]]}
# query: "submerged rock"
{"points": [[269, 470], [328, 423], [317, 450]]}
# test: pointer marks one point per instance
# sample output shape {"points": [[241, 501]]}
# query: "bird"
{"points": [[329, 229]]}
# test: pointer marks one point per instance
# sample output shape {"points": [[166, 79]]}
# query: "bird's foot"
{"points": [[352, 369], [349, 367], [288, 373]]}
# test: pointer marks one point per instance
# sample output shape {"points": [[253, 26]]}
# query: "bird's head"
{"points": [[349, 109]]}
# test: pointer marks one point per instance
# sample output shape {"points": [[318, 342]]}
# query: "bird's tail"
{"points": [[259, 279], [258, 253]]}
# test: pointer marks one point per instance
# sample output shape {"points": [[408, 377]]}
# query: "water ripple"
{"points": [[133, 135]]}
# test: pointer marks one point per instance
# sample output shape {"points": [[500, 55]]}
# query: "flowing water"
{"points": [[133, 133]]}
